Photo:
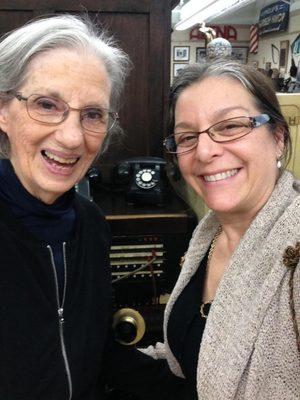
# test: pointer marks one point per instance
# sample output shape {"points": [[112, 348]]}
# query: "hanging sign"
{"points": [[227, 32], [274, 17]]}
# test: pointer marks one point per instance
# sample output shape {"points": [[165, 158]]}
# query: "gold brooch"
{"points": [[182, 260], [291, 256]]}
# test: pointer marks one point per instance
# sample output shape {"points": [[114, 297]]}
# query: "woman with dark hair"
{"points": [[60, 81], [232, 321]]}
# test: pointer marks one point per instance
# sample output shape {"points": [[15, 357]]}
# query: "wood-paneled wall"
{"points": [[143, 29]]}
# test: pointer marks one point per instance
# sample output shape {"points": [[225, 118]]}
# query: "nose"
{"points": [[69, 133], [207, 149]]}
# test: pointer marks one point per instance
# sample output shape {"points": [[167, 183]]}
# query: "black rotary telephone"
{"points": [[143, 178]]}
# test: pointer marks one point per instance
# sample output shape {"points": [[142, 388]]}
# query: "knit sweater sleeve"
{"points": [[157, 351]]}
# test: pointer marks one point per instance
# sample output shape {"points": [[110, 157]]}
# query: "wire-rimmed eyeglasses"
{"points": [[53, 111], [222, 132]]}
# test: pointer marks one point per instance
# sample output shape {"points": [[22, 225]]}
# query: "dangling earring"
{"points": [[279, 164]]}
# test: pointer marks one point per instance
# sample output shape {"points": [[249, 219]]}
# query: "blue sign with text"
{"points": [[274, 17]]}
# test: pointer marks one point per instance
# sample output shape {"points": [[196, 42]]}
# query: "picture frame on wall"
{"points": [[177, 67], [283, 54], [181, 53], [200, 55]]}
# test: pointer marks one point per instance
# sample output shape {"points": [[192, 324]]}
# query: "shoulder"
{"points": [[294, 208], [90, 213], [296, 185], [84, 205], [286, 198]]}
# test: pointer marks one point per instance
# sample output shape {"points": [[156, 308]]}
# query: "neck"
{"points": [[232, 232], [234, 225]]}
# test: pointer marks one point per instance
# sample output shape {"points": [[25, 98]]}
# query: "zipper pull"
{"points": [[61, 315]]}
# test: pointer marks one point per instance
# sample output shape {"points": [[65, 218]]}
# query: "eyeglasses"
{"points": [[222, 132], [53, 111]]}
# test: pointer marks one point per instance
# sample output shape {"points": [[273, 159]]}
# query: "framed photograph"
{"points": [[240, 54], [200, 55], [283, 54], [181, 53], [177, 67]]}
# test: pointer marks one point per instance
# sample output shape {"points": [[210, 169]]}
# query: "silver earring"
{"points": [[279, 164]]}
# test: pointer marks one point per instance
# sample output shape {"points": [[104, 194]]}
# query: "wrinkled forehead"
{"points": [[65, 68]]}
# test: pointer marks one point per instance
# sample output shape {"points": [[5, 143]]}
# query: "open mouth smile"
{"points": [[220, 176], [59, 161]]}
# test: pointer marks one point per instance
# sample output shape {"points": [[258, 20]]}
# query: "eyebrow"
{"points": [[49, 92], [218, 116], [57, 95]]}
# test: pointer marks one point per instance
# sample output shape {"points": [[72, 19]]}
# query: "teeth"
{"points": [[60, 159], [220, 176]]}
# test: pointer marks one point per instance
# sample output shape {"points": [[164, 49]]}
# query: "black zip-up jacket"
{"points": [[52, 349]]}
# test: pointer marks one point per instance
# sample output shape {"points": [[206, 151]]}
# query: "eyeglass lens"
{"points": [[223, 131], [53, 111]]}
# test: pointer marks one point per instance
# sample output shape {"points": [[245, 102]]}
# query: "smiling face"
{"points": [[47, 159], [234, 178]]}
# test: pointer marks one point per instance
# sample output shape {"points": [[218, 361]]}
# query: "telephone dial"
{"points": [[143, 178]]}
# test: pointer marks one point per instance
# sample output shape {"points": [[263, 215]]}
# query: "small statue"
{"points": [[215, 47], [208, 32]]}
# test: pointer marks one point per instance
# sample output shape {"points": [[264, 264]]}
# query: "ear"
{"points": [[3, 116], [279, 136]]}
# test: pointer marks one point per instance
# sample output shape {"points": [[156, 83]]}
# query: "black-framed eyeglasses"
{"points": [[53, 111], [222, 132]]}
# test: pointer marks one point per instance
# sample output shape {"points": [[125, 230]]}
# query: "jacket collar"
{"points": [[251, 280]]}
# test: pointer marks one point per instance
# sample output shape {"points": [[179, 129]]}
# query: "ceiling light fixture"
{"points": [[195, 12]]}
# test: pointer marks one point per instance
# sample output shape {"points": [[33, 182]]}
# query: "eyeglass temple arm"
{"points": [[261, 119], [17, 95]]}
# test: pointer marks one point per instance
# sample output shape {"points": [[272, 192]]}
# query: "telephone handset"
{"points": [[143, 178]]}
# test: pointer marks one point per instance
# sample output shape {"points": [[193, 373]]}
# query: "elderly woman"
{"points": [[232, 321], [59, 81]]}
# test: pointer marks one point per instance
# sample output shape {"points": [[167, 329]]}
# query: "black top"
{"points": [[52, 223], [185, 328], [45, 358], [32, 360]]}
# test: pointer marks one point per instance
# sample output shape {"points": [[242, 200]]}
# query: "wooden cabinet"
{"points": [[143, 29]]}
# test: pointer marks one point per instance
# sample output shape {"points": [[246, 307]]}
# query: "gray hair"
{"points": [[257, 84], [19, 47]]}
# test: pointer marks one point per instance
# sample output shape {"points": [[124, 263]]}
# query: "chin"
{"points": [[50, 193], [221, 206]]}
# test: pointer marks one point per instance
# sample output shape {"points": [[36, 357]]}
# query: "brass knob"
{"points": [[129, 326]]}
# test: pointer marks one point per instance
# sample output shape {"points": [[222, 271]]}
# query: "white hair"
{"points": [[19, 47]]}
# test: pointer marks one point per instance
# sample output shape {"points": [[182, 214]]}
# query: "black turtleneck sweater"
{"points": [[52, 224]]}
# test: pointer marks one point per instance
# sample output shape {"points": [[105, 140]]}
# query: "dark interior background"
{"points": [[142, 28]]}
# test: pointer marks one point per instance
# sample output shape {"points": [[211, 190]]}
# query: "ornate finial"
{"points": [[208, 32], [291, 256], [215, 47], [218, 48]]}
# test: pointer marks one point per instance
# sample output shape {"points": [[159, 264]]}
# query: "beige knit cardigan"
{"points": [[249, 348]]}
